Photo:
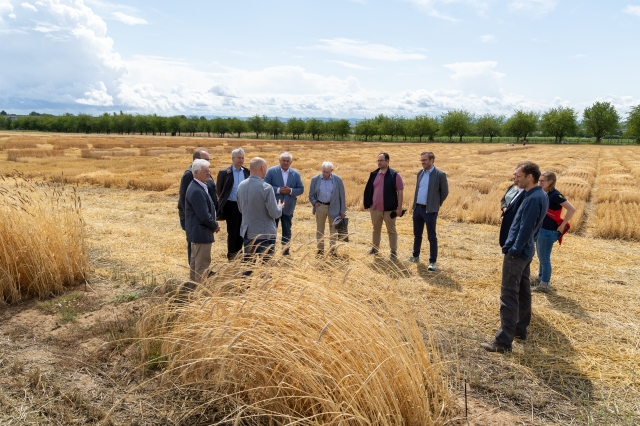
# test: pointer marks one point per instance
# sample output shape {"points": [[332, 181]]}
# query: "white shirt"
{"points": [[285, 176]]}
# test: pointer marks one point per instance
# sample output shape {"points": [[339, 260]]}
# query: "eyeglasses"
{"points": [[519, 176]]}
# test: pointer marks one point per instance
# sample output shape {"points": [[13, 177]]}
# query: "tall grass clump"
{"points": [[309, 343], [42, 246]]}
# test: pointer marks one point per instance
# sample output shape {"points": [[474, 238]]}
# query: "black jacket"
{"points": [[187, 178], [224, 187], [508, 216], [390, 193]]}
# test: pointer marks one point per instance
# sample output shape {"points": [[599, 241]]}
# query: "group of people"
{"points": [[531, 221], [255, 201]]}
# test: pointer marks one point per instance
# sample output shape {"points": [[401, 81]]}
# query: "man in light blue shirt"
{"points": [[326, 195], [432, 189]]}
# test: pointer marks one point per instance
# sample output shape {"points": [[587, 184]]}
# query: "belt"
{"points": [[326, 204], [421, 205]]}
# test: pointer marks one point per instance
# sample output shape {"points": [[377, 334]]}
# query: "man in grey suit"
{"points": [[200, 220], [326, 194], [431, 191], [259, 208], [287, 186]]}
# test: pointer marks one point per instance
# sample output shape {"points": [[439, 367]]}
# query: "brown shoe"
{"points": [[494, 347]]}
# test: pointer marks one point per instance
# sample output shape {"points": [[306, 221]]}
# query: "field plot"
{"points": [[579, 366]]}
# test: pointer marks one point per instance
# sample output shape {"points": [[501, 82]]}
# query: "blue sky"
{"points": [[306, 58]]}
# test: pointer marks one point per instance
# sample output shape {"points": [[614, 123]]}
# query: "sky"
{"points": [[311, 58]]}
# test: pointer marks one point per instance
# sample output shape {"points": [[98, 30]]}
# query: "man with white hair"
{"points": [[200, 220], [287, 186], [260, 210], [187, 178], [228, 181], [326, 194]]}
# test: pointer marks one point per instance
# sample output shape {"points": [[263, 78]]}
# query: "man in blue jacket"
{"points": [[200, 220], [515, 292], [287, 186]]}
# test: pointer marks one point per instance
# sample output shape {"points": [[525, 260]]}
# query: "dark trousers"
{"points": [[234, 219], [420, 219], [286, 230], [258, 248], [515, 300], [182, 224]]}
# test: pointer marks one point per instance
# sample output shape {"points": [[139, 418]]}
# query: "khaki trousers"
{"points": [[322, 215], [377, 217], [200, 261]]}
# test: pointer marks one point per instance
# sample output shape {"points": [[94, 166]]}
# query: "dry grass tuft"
{"points": [[42, 238], [156, 151], [15, 154], [307, 343], [511, 149], [106, 153]]}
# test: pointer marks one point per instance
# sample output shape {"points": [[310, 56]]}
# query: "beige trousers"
{"points": [[322, 215], [200, 261], [377, 217]]}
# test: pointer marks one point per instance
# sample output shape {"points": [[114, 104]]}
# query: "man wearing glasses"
{"points": [[383, 196]]}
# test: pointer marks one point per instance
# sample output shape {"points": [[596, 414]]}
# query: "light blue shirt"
{"points": [[238, 176], [423, 190], [326, 188]]}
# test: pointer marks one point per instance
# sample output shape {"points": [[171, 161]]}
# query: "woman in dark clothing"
{"points": [[553, 228], [509, 204]]}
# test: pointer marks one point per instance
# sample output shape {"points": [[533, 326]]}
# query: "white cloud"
{"points": [[362, 49], [128, 19], [433, 7], [578, 56], [223, 90], [12, 15], [632, 10], [97, 97], [488, 38], [29, 6], [532, 7], [477, 78], [349, 65]]}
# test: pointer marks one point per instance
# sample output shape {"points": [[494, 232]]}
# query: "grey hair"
{"points": [[286, 154], [327, 165], [236, 152], [198, 164]]}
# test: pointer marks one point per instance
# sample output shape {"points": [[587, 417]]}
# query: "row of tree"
{"points": [[599, 120]]}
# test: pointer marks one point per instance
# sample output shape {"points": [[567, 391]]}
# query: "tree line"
{"points": [[598, 120]]}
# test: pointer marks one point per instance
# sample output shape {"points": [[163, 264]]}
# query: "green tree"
{"points": [[390, 126], [295, 127], [341, 128], [256, 124], [220, 126], [236, 126], [175, 124], [456, 123], [489, 125], [103, 123], [633, 123], [366, 128], [314, 127], [274, 127], [521, 124], [423, 125], [559, 122], [600, 119], [191, 125]]}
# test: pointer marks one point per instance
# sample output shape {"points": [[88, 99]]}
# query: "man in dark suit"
{"points": [[228, 181], [200, 220], [187, 178], [287, 186], [432, 189]]}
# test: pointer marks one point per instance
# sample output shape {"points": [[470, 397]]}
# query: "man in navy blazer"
{"points": [[200, 220], [287, 185], [326, 194]]}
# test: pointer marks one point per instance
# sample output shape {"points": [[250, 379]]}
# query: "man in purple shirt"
{"points": [[383, 196]]}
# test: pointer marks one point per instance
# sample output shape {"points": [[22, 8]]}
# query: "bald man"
{"points": [[259, 208]]}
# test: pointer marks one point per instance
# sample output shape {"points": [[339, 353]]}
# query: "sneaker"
{"points": [[541, 289], [373, 251], [432, 266], [534, 282], [494, 347], [413, 259]]}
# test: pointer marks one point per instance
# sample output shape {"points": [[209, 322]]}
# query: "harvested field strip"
{"points": [[15, 154], [100, 153], [154, 152]]}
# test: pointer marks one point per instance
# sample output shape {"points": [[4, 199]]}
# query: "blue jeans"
{"points": [[286, 229], [420, 219], [254, 248], [544, 245], [182, 224]]}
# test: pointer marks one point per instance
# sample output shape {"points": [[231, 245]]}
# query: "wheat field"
{"points": [[578, 367]]}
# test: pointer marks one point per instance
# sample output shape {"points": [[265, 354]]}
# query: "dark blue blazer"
{"points": [[200, 215]]}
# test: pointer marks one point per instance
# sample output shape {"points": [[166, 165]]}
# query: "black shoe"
{"points": [[393, 255], [373, 251], [320, 253], [494, 347], [520, 336], [286, 252]]}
